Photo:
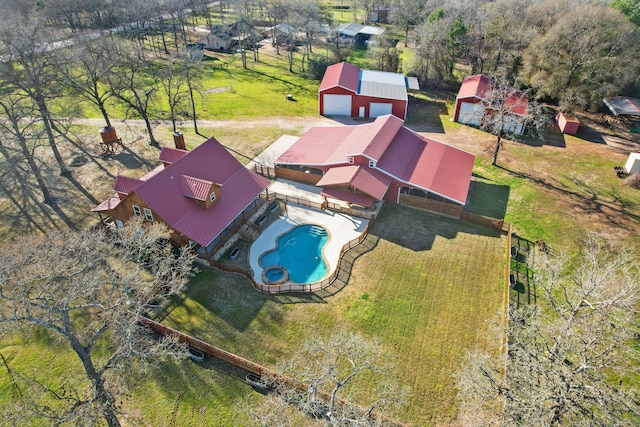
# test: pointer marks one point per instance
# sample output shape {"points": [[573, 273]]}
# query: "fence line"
{"points": [[289, 286], [246, 364]]}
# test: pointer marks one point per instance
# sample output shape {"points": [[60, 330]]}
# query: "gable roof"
{"points": [[383, 84], [399, 153], [195, 188], [125, 184], [164, 191], [367, 180], [378, 84], [170, 155], [341, 74], [478, 86]]}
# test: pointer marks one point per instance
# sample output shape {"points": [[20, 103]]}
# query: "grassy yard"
{"points": [[426, 305]]}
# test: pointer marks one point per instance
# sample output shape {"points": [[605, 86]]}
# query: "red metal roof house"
{"points": [[382, 160], [202, 195], [472, 104], [346, 90]]}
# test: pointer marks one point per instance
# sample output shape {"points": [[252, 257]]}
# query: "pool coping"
{"points": [[342, 229]]}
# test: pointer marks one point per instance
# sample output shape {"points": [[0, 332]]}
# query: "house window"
{"points": [[212, 196], [372, 163], [137, 211], [148, 215], [192, 244], [350, 160], [119, 223]]}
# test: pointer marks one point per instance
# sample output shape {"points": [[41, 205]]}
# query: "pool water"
{"points": [[300, 252]]}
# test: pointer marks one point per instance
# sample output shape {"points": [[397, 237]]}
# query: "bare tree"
{"points": [[506, 112], [584, 57], [176, 89], [29, 66], [569, 360], [135, 83], [328, 370], [86, 73], [409, 13], [21, 139], [88, 288]]}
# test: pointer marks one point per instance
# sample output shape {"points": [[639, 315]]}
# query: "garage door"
{"points": [[337, 105], [379, 109], [470, 113]]}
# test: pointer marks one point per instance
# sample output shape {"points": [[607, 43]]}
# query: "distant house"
{"points": [[382, 160], [203, 195], [357, 33], [225, 38], [472, 104], [346, 90]]}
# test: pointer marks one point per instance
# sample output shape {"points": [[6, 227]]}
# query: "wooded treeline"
{"points": [[132, 55]]}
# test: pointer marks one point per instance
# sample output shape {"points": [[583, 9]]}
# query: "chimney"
{"points": [[178, 140]]}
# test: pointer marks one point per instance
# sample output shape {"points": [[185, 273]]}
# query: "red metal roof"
{"points": [[125, 184], [349, 196], [170, 155], [364, 179], [399, 152], [195, 188], [108, 204], [341, 74], [429, 164], [479, 86], [210, 161]]}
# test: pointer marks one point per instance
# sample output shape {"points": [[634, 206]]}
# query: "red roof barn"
{"points": [[473, 104], [381, 160], [202, 195], [346, 90]]}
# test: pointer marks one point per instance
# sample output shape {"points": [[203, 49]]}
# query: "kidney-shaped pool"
{"points": [[300, 252]]}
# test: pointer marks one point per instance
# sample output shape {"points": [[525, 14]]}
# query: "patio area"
{"points": [[342, 229]]}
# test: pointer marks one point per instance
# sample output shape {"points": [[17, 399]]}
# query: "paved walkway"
{"points": [[342, 229]]}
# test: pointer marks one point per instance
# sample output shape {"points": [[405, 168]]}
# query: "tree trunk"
{"points": [[103, 110], [193, 108], [45, 116], [164, 40], [101, 394], [147, 123], [497, 150]]}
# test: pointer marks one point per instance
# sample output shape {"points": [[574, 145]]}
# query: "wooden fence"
{"points": [[441, 208], [485, 221], [272, 376]]}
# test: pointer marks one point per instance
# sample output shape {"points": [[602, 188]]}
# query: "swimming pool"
{"points": [[300, 252]]}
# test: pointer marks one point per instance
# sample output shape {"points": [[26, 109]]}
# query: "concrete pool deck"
{"points": [[342, 228]]}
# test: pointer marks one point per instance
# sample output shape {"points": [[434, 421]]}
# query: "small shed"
{"points": [[633, 164], [567, 124]]}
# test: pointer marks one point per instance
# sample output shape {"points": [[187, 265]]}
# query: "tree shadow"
{"points": [[615, 212]]}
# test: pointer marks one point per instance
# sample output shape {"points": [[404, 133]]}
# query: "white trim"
{"points": [[148, 214], [212, 196], [137, 211]]}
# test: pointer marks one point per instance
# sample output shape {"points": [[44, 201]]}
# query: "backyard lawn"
{"points": [[425, 293]]}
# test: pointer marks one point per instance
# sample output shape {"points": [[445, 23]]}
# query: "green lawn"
{"points": [[427, 306]]}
